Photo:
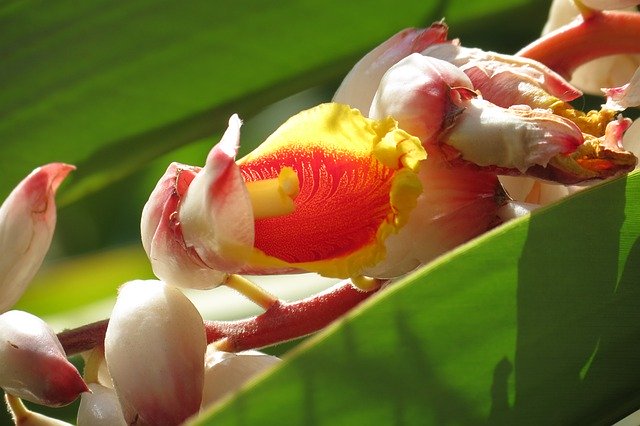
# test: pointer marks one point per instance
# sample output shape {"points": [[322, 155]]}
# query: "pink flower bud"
{"points": [[226, 372], [27, 222], [100, 407], [34, 365], [193, 214], [359, 86], [154, 348], [419, 92], [506, 80]]}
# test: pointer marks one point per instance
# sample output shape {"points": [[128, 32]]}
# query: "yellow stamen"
{"points": [[366, 283], [592, 122], [251, 291], [274, 197]]}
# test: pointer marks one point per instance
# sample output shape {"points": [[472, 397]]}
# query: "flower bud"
{"points": [[27, 222], [610, 4], [154, 348], [226, 372], [100, 407], [419, 93], [34, 365], [359, 86]]}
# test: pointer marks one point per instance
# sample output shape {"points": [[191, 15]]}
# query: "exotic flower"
{"points": [[226, 372], [34, 365], [275, 210], [151, 317], [27, 222]]}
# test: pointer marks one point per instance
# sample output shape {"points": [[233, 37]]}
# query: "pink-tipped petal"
{"points": [[513, 138], [154, 348], [506, 80], [34, 365], [171, 259], [360, 85], [620, 98], [27, 223], [416, 92], [216, 213]]}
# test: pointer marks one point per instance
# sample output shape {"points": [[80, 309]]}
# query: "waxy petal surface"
{"points": [[154, 348], [27, 222], [34, 365]]}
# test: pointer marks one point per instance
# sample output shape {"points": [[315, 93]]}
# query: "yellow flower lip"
{"points": [[352, 182]]}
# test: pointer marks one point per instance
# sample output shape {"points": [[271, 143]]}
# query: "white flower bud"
{"points": [[34, 365], [27, 222], [154, 347]]}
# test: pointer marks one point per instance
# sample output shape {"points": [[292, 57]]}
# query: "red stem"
{"points": [[600, 34], [280, 323]]}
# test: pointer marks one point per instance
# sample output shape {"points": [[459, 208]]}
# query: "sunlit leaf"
{"points": [[535, 323]]}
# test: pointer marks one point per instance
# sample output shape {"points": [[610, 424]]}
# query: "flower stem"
{"points": [[279, 323], [586, 38], [287, 321], [251, 291]]}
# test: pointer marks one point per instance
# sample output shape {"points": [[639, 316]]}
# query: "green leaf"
{"points": [[110, 86], [533, 323]]}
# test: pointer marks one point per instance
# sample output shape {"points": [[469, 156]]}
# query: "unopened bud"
{"points": [[154, 347], [27, 222], [34, 365]]}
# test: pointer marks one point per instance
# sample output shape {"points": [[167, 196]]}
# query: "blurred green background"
{"points": [[121, 89]]}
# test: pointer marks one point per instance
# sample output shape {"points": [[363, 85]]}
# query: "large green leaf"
{"points": [[109, 86], [534, 323]]}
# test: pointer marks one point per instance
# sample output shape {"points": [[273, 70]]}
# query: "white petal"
{"points": [[100, 407], [226, 372]]}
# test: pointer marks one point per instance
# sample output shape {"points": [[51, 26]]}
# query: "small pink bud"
{"points": [[100, 407], [154, 348], [34, 365], [27, 222], [227, 372], [419, 93], [359, 86]]}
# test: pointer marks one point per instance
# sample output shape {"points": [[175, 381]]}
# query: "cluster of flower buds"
{"points": [[409, 160]]}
